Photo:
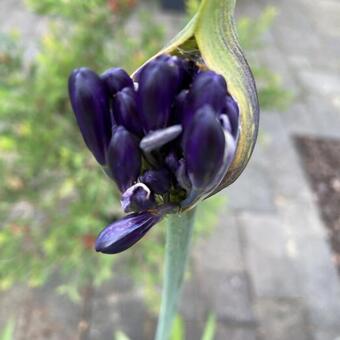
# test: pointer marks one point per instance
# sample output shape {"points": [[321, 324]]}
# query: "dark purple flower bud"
{"points": [[125, 111], [178, 108], [159, 181], [158, 83], [164, 58], [186, 69], [232, 110], [124, 233], [156, 139], [137, 198], [116, 79], [203, 146], [208, 88], [124, 159], [172, 162], [229, 154], [90, 104]]}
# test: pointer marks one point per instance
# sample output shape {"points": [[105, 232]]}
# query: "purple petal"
{"points": [[90, 104], [179, 107], [208, 88], [124, 159], [186, 69], [159, 181], [158, 83], [115, 79], [232, 110], [172, 162], [137, 198], [203, 145], [125, 111], [229, 154], [124, 233]]}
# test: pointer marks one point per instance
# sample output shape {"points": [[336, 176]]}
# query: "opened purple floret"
{"points": [[166, 138]]}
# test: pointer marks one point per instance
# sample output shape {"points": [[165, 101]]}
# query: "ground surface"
{"points": [[267, 272]]}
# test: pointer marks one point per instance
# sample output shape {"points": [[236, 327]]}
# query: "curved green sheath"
{"points": [[217, 41], [210, 38]]}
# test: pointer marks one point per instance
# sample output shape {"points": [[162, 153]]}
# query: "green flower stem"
{"points": [[179, 231]]}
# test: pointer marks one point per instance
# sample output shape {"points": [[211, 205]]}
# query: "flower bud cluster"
{"points": [[166, 138]]}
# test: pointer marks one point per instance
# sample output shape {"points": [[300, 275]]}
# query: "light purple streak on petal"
{"points": [[156, 139]]}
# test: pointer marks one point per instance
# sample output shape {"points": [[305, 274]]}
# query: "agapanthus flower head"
{"points": [[166, 138]]}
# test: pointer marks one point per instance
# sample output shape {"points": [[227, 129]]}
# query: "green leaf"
{"points": [[210, 328], [8, 331], [178, 329], [120, 336]]}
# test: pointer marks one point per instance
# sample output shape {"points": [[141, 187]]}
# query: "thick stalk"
{"points": [[179, 231]]}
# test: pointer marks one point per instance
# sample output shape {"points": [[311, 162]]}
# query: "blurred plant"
{"points": [[8, 331], [178, 329], [54, 196]]}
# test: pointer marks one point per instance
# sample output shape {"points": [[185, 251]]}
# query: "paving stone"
{"points": [[115, 309], [320, 82], [193, 329], [325, 17], [226, 295], [271, 56], [300, 219], [14, 16], [220, 251], [321, 107], [281, 320], [285, 26], [225, 332], [326, 335], [39, 313], [285, 171], [267, 255], [308, 117], [252, 191], [298, 119], [319, 282]]}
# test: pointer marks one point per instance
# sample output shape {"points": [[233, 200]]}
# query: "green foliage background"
{"points": [[54, 197]]}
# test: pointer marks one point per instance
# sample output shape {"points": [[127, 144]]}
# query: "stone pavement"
{"points": [[267, 271]]}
